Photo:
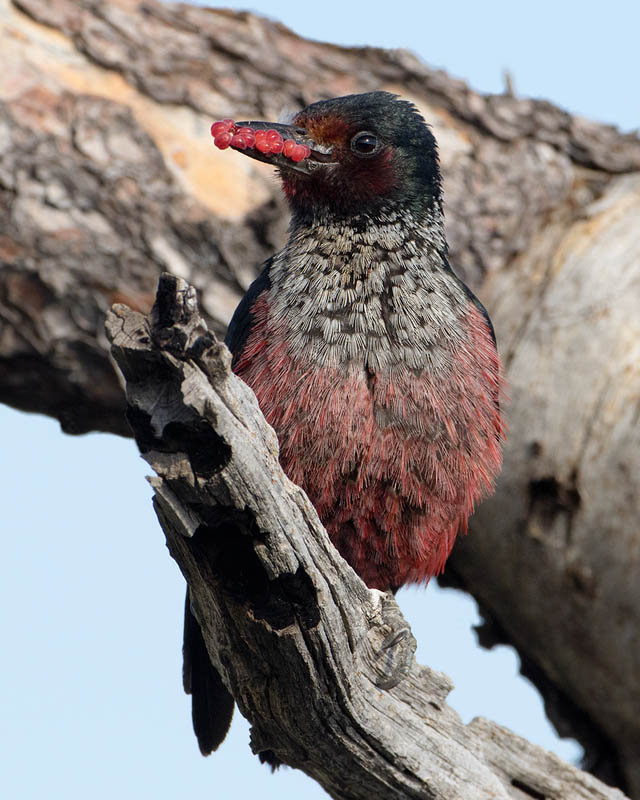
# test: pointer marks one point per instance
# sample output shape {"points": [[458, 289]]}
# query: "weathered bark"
{"points": [[320, 665], [108, 177], [557, 551]]}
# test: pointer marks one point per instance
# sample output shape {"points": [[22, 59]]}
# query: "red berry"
{"points": [[263, 145], [223, 126], [223, 140], [287, 149], [299, 152], [230, 123], [239, 141], [248, 134], [275, 141]]}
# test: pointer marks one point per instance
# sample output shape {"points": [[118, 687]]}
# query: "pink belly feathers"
{"points": [[394, 461]]}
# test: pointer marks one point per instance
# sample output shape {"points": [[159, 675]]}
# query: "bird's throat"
{"points": [[371, 292]]}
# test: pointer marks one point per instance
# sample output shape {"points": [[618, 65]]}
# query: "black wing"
{"points": [[241, 321]]}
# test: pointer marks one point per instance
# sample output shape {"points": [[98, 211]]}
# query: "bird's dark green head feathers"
{"points": [[367, 152]]}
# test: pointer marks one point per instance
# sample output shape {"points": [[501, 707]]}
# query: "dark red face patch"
{"points": [[327, 129], [227, 134]]}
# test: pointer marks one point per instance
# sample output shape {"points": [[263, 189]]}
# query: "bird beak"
{"points": [[318, 155]]}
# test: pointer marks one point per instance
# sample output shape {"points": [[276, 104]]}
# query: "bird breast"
{"points": [[346, 297]]}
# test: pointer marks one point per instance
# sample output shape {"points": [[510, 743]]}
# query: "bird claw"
{"points": [[394, 656], [395, 638]]}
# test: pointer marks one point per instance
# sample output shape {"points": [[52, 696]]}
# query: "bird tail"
{"points": [[211, 704]]}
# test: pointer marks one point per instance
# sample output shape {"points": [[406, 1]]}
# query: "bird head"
{"points": [[361, 153]]}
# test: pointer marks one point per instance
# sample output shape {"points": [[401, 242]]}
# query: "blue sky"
{"points": [[90, 601], [583, 56]]}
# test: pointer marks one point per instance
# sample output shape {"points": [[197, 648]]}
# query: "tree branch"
{"points": [[303, 645]]}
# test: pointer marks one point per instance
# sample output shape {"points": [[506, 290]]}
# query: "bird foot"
{"points": [[393, 653]]}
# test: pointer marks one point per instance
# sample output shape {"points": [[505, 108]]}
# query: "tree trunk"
{"points": [[108, 178]]}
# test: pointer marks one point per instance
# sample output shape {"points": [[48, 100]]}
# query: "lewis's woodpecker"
{"points": [[374, 363]]}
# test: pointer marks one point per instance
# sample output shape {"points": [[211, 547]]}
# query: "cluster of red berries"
{"points": [[227, 134]]}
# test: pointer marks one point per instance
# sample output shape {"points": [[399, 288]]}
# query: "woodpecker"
{"points": [[374, 363]]}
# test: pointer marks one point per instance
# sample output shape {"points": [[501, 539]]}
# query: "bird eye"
{"points": [[365, 144]]}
